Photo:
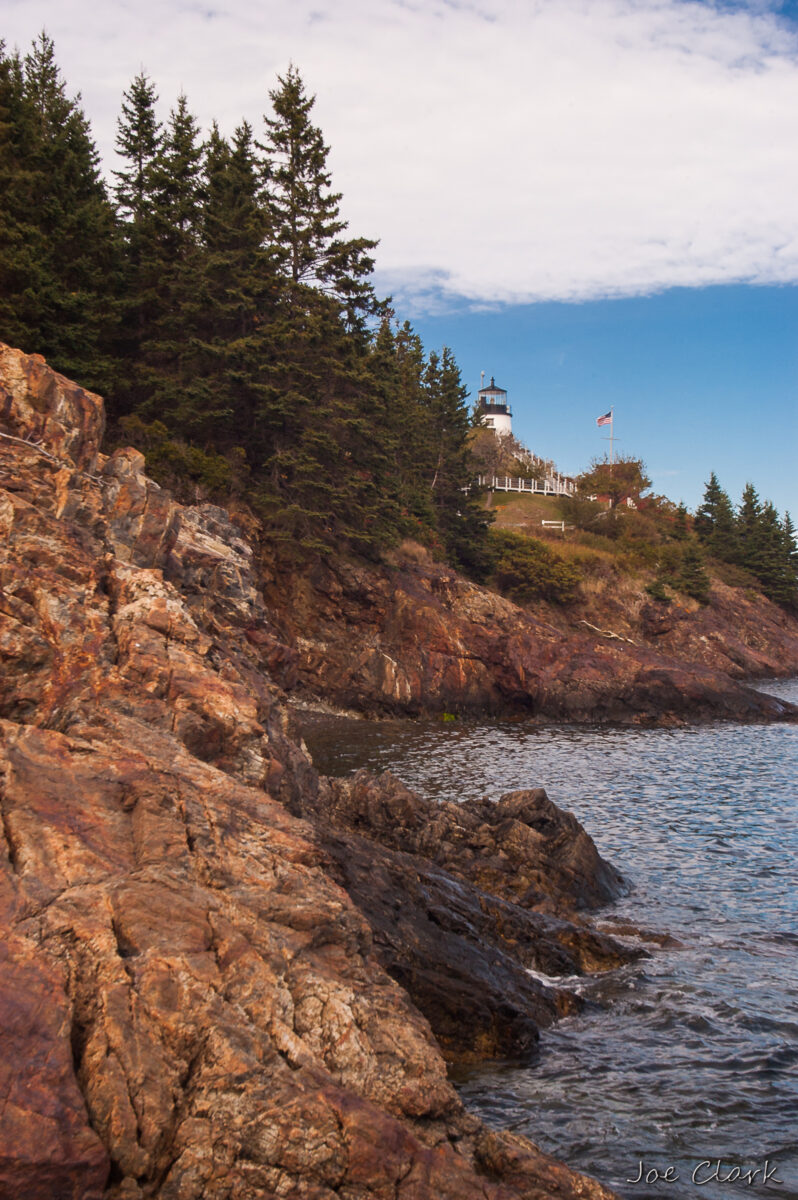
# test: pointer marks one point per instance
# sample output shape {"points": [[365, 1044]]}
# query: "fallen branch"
{"points": [[32, 446], [608, 633]]}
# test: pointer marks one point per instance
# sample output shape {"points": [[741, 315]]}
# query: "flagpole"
{"points": [[612, 415]]}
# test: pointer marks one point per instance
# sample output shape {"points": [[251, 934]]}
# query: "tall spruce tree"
{"points": [[305, 215], [326, 478], [138, 144], [460, 518], [715, 523], [237, 294], [749, 531], [171, 266], [57, 237], [774, 570], [397, 368], [691, 575], [790, 551], [138, 141], [22, 250], [789, 543]]}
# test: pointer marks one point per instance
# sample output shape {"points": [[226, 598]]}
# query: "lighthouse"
{"points": [[495, 411]]}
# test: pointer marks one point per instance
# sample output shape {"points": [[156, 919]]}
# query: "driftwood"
{"points": [[608, 633]]}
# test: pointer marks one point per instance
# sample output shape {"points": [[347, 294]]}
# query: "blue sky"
{"points": [[700, 379], [596, 201]]}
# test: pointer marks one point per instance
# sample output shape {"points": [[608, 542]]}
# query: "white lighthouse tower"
{"points": [[494, 409]]}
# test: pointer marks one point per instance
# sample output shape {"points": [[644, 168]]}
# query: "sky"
{"points": [[594, 201]]}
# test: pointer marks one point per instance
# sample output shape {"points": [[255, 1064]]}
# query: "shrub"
{"points": [[681, 566], [187, 470], [526, 569], [656, 591]]}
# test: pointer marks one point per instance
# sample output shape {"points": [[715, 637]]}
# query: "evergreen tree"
{"points": [[715, 523], [305, 216], [692, 578], [57, 237], [170, 267], [237, 294], [749, 531], [327, 477], [680, 530], [775, 571], [138, 142], [397, 368], [790, 551], [22, 253], [178, 182], [789, 543], [460, 518]]}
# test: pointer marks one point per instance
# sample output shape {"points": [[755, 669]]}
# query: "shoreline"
{"points": [[195, 1003], [193, 914]]}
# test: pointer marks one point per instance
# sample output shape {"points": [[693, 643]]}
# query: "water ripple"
{"points": [[692, 1055]]}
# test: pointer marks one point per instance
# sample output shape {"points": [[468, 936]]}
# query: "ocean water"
{"points": [[680, 1077]]}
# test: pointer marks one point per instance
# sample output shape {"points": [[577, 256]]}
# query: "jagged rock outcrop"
{"points": [[421, 639], [191, 1006], [465, 900]]}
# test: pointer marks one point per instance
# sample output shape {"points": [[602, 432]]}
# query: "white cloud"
{"points": [[502, 150]]}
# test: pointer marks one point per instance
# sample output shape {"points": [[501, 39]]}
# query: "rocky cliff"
{"points": [[223, 976], [418, 638]]}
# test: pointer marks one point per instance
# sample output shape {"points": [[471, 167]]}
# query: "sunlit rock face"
{"points": [[420, 639], [191, 1005]]}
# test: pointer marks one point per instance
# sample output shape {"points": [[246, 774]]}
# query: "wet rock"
{"points": [[523, 848], [470, 903]]}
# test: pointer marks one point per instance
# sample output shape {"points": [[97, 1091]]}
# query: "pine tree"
{"points": [[691, 577], [396, 367], [170, 267], [789, 543], [790, 552], [237, 295], [749, 530], [460, 517], [306, 221], [57, 237], [22, 250], [138, 142], [715, 523], [680, 529], [774, 571], [327, 477]]}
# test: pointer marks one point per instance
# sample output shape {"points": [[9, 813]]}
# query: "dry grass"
{"points": [[408, 551], [524, 513]]}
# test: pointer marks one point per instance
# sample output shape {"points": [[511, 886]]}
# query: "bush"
{"points": [[526, 569], [583, 514], [681, 566], [692, 578], [656, 591], [185, 469]]}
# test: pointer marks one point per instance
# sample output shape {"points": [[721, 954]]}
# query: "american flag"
{"points": [[605, 420]]}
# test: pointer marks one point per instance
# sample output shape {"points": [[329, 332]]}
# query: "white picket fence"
{"points": [[554, 485]]}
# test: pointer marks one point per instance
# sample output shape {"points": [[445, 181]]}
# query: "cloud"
{"points": [[502, 150]]}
